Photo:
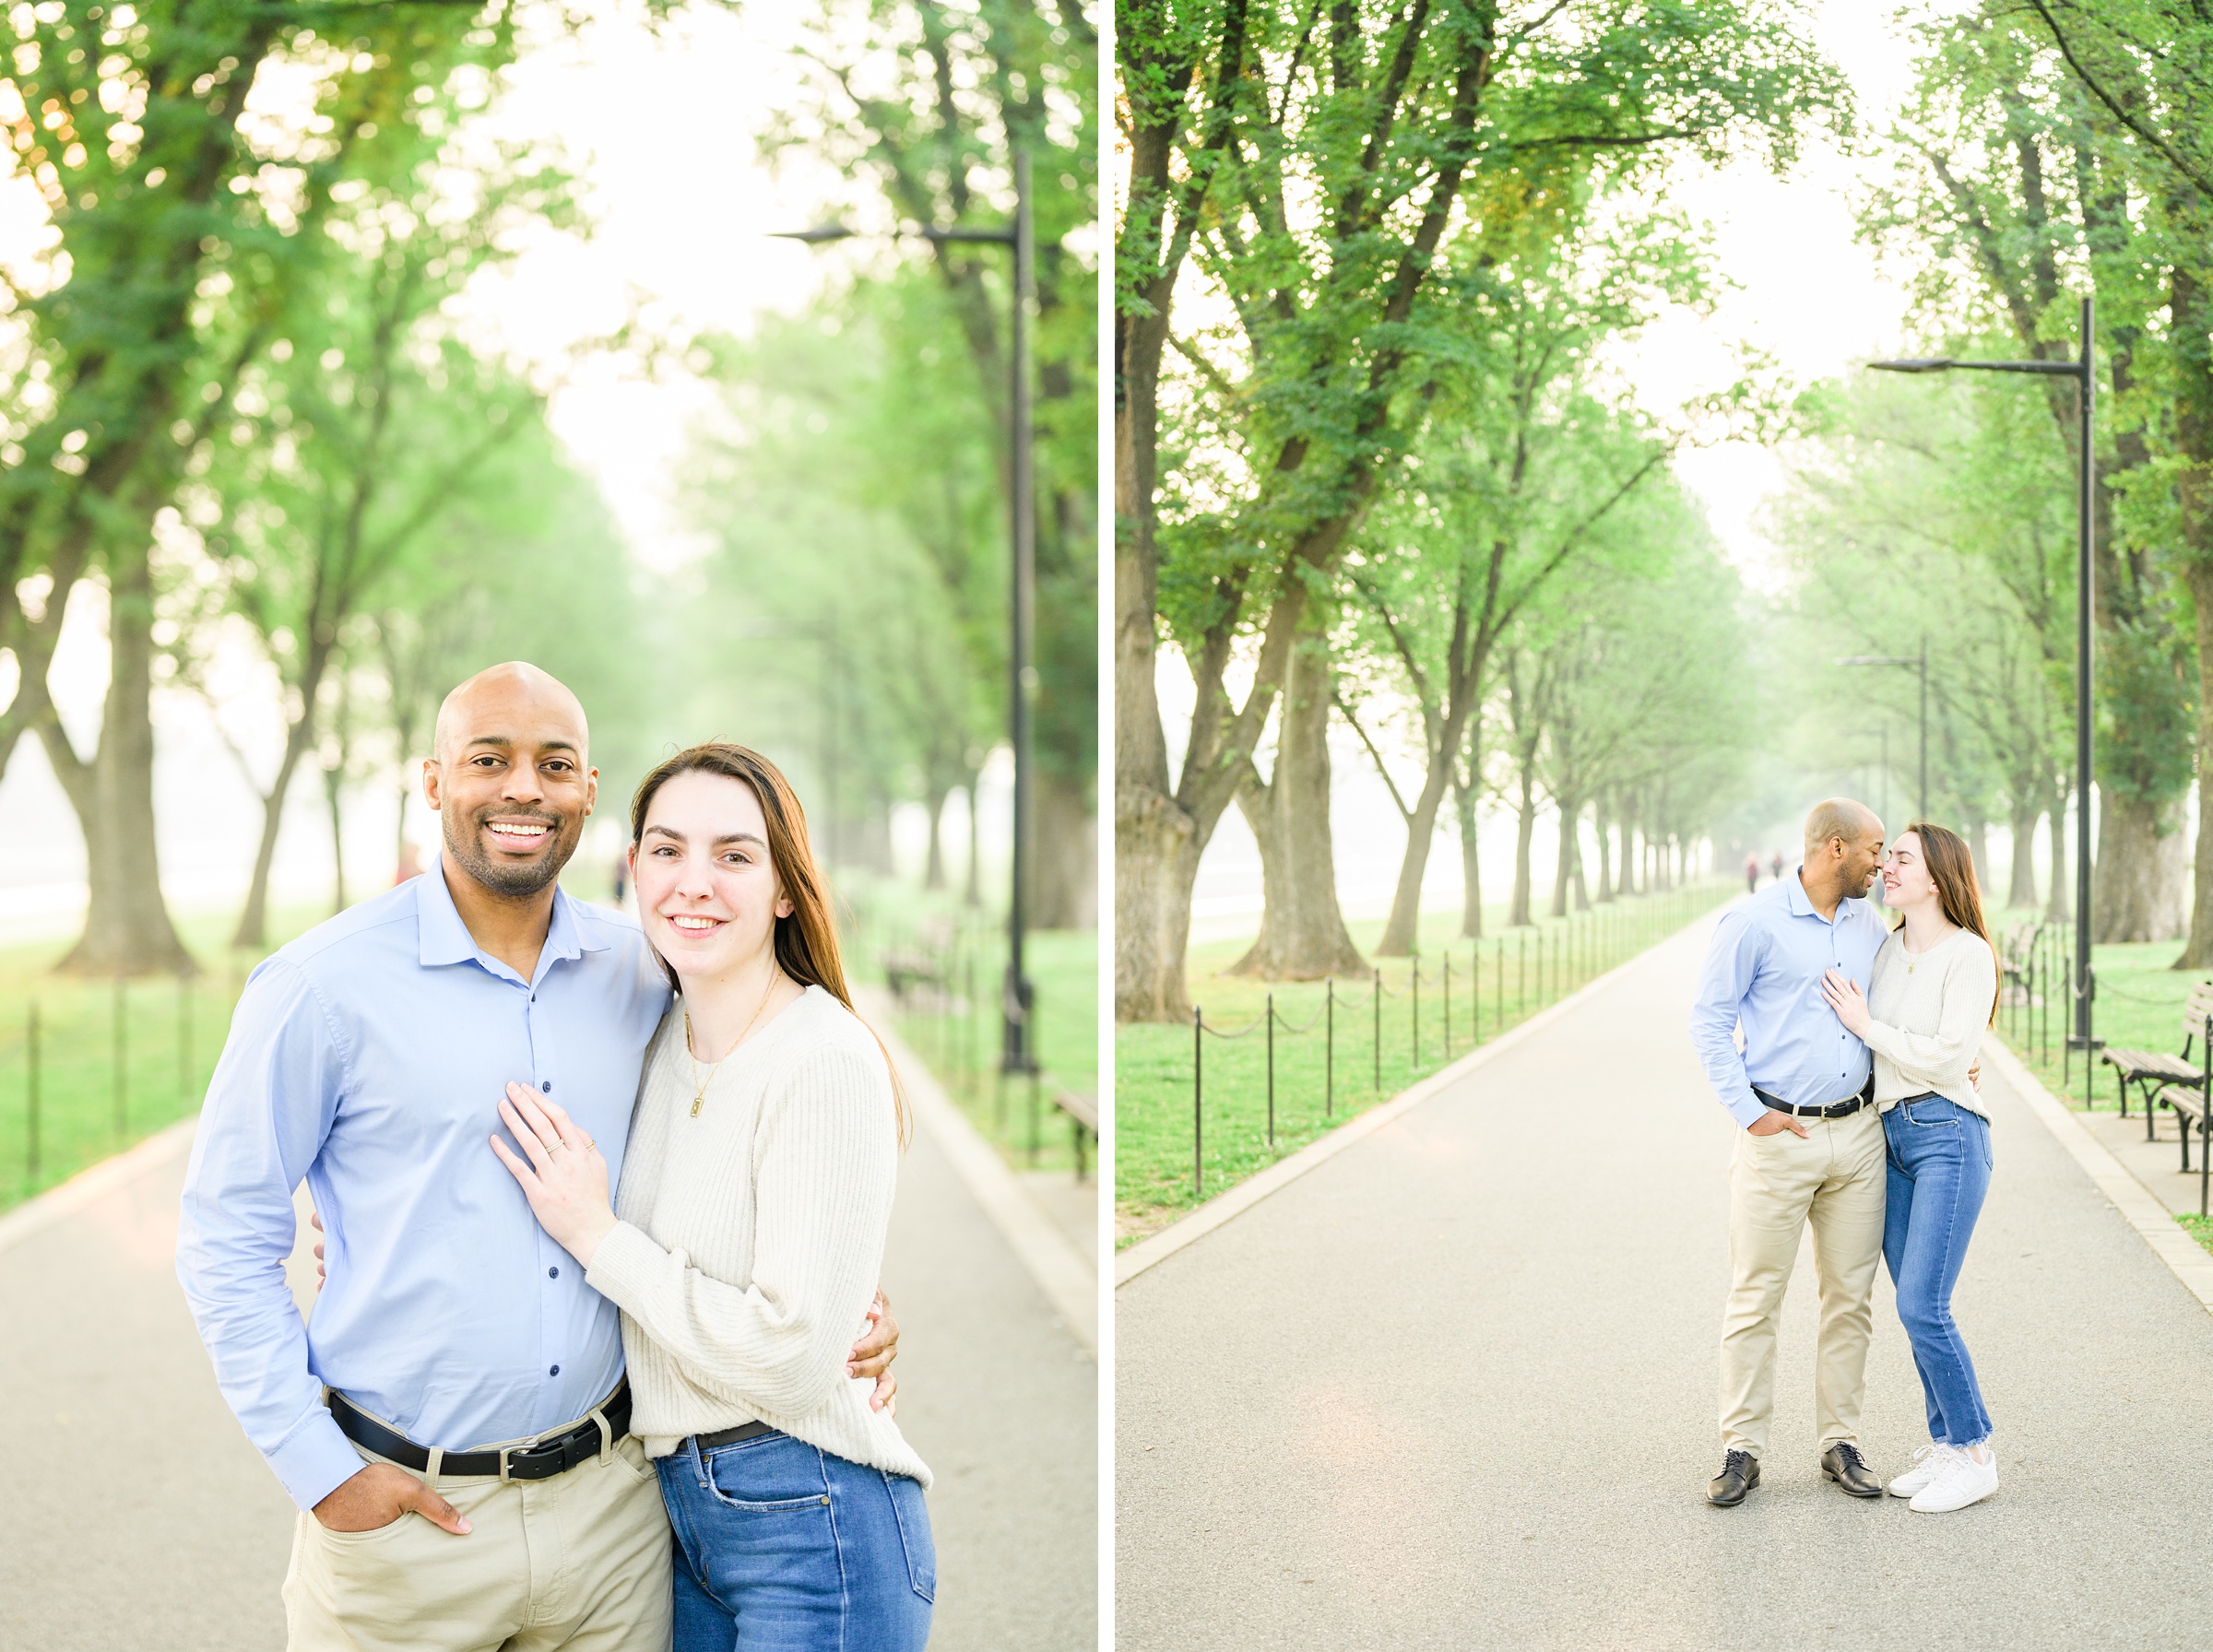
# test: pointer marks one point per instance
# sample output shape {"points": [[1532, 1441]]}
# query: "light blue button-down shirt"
{"points": [[1764, 973], [369, 1056]]}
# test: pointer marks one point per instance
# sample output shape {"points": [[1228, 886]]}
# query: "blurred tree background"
{"points": [[256, 434], [244, 412]]}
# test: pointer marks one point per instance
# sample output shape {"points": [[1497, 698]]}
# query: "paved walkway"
{"points": [[137, 1515], [1455, 1388]]}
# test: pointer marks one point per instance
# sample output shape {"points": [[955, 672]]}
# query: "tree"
{"points": [[163, 194], [2002, 153], [927, 103], [1322, 168], [368, 428]]}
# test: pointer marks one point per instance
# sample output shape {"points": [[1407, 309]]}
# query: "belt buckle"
{"points": [[530, 1456]]}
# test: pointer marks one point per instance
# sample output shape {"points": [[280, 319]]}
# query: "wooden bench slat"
{"points": [[1083, 1109]]}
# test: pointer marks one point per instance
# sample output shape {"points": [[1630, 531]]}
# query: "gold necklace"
{"points": [[699, 1085]]}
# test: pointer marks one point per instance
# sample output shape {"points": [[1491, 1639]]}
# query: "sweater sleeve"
{"points": [[1970, 987], [825, 1160]]}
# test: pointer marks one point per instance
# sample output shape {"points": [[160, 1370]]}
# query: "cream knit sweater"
{"points": [[1929, 1013], [750, 1238]]}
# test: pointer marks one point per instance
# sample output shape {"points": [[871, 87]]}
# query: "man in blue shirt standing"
{"points": [[1810, 1147], [457, 1366]]}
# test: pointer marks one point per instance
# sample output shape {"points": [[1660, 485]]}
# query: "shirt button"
{"points": [[552, 1273], [555, 1372], [546, 1085]]}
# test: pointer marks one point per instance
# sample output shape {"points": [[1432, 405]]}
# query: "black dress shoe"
{"points": [[1842, 1463], [1740, 1473]]}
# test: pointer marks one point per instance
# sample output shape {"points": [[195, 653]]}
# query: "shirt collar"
{"points": [[444, 939], [1802, 906]]}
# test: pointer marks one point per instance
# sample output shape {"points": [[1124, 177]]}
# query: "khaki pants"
{"points": [[1777, 1183], [581, 1560]]}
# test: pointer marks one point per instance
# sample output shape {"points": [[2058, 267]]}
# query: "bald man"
{"points": [[1809, 1142], [453, 1422]]}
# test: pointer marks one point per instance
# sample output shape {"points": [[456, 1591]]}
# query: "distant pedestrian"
{"points": [[1775, 867], [621, 879], [410, 863], [1752, 873]]}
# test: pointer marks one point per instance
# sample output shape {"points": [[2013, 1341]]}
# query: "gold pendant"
{"points": [[697, 1102]]}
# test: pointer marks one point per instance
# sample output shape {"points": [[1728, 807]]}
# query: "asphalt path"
{"points": [[137, 1515], [1455, 1387]]}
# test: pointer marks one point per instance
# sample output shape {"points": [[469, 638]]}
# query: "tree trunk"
{"points": [[933, 868], [2060, 904], [1605, 853], [1155, 862], [1565, 870], [1978, 849], [1471, 865], [1065, 867], [253, 921], [2020, 891], [2197, 954], [127, 927], [1525, 829], [1303, 936], [973, 895], [333, 788], [2194, 494], [2137, 878]]}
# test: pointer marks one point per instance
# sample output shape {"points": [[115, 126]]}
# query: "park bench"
{"points": [[2192, 1105], [926, 962], [2013, 964], [2156, 1071], [1082, 1118]]}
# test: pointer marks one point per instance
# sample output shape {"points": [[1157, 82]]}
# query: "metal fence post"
{"points": [[1198, 1113], [1270, 1019], [183, 1039], [1379, 1029], [121, 1081], [1448, 1003], [32, 1090], [1328, 1060], [1413, 980]]}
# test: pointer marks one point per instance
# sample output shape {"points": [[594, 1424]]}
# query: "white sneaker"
{"points": [[1928, 1462], [1960, 1481]]}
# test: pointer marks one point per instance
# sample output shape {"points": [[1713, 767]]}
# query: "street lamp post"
{"points": [[1018, 1052], [1920, 663], [2081, 370], [1882, 734]]}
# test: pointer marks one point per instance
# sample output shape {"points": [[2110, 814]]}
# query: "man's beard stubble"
{"points": [[514, 879]]}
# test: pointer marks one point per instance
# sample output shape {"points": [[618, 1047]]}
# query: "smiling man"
{"points": [[457, 1367]]}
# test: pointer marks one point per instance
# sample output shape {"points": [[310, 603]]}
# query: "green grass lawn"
{"points": [[115, 1061], [94, 1098], [2139, 1005], [955, 1025], [1338, 1048]]}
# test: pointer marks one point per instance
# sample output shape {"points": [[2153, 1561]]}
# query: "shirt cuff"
{"points": [[623, 1265], [315, 1462], [1747, 1109]]}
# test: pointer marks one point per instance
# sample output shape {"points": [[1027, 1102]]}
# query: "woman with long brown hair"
{"points": [[744, 1245], [1931, 991]]}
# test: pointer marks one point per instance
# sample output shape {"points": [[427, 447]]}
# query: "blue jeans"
{"points": [[782, 1547], [1939, 1173]]}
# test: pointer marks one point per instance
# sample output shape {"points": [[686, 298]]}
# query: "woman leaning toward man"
{"points": [[744, 1245], [1931, 991]]}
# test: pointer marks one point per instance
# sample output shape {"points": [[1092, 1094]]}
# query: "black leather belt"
{"points": [[541, 1460], [730, 1436], [1843, 1109]]}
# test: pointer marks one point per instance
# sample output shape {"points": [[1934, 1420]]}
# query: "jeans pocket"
{"points": [[1938, 1115], [912, 1515], [773, 1474]]}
